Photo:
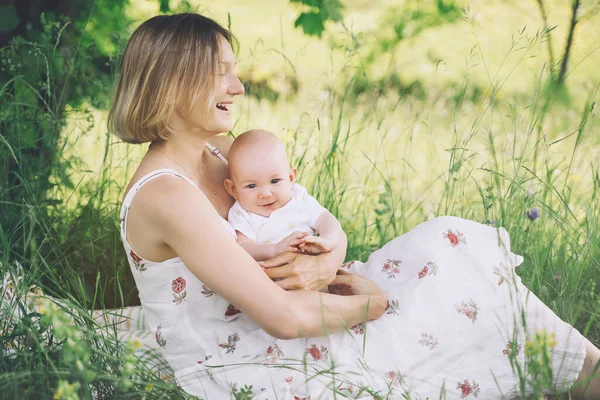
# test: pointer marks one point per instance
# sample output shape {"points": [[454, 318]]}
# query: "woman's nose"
{"points": [[236, 88]]}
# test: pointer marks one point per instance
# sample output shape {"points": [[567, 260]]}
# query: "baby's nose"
{"points": [[264, 194]]}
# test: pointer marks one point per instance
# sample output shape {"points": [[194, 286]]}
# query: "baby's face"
{"points": [[262, 185]]}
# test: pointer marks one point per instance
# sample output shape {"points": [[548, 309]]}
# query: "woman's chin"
{"points": [[226, 127], [219, 128]]}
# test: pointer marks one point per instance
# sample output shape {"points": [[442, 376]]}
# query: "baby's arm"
{"points": [[261, 252], [330, 236]]}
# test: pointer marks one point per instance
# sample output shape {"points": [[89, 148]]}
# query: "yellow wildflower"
{"points": [[552, 340], [575, 178]]}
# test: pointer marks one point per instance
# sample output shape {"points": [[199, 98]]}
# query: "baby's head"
{"points": [[261, 177]]}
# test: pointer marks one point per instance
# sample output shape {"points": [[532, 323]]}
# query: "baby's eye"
{"points": [[276, 180], [251, 186]]}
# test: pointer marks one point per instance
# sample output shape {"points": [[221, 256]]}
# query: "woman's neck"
{"points": [[184, 151]]}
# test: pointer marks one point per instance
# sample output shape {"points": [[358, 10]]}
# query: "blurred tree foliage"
{"points": [[316, 14], [400, 23], [55, 58]]}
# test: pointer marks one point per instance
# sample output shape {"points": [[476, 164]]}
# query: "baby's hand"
{"points": [[315, 245], [290, 242]]}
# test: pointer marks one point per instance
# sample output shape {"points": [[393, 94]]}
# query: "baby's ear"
{"points": [[293, 173], [228, 183]]}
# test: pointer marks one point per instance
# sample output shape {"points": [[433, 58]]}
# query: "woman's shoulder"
{"points": [[163, 192]]}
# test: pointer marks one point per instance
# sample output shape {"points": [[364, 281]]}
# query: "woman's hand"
{"points": [[296, 271], [347, 284]]}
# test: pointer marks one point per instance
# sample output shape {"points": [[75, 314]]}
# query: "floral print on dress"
{"points": [[299, 398], [512, 346], [395, 378], [428, 340], [289, 379], [160, 340], [231, 311], [348, 265], [467, 389], [393, 307], [468, 309], [503, 272], [455, 238], [391, 267], [231, 343], [206, 291], [137, 262], [206, 358], [318, 353], [358, 329], [429, 269], [179, 292], [274, 352]]}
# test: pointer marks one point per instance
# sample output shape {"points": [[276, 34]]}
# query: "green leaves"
{"points": [[164, 6], [9, 19], [313, 22]]}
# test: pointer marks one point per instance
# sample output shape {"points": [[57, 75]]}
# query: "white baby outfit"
{"points": [[454, 325], [300, 214]]}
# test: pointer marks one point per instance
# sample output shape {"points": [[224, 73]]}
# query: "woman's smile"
{"points": [[224, 106]]}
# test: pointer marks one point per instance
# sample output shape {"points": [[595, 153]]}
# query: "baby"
{"points": [[272, 213]]}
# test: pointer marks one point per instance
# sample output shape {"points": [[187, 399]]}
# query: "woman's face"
{"points": [[218, 117]]}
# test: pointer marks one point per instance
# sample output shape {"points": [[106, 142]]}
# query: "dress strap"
{"points": [[216, 152], [136, 187]]}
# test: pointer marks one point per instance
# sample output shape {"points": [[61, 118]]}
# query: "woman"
{"points": [[447, 316]]}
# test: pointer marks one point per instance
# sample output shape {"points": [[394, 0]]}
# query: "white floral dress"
{"points": [[458, 325]]}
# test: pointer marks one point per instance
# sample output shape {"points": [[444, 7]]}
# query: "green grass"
{"points": [[482, 135]]}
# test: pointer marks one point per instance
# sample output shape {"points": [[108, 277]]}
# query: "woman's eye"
{"points": [[274, 181], [251, 186]]}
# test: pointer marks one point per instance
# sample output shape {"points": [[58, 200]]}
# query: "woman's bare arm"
{"points": [[188, 223]]}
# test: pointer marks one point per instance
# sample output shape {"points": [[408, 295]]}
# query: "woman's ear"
{"points": [[230, 188], [293, 174]]}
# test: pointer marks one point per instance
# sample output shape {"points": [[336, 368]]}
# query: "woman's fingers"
{"points": [[290, 284], [342, 280], [343, 272], [278, 260], [279, 272]]}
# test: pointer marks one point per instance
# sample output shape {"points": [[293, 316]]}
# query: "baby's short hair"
{"points": [[259, 141]]}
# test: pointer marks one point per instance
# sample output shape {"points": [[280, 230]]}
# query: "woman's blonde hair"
{"points": [[170, 63]]}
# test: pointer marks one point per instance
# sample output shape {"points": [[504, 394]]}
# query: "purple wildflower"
{"points": [[533, 213]]}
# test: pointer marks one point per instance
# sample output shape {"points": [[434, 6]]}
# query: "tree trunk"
{"points": [[565, 61]]}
